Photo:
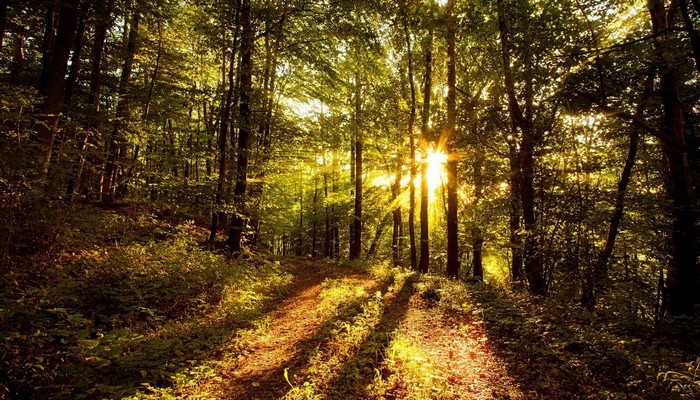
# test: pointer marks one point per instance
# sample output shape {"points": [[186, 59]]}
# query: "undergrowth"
{"points": [[124, 305]]}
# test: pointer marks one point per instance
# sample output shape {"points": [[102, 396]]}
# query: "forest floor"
{"points": [[130, 304]]}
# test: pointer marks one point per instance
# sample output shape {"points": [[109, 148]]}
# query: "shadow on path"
{"points": [[297, 328]]}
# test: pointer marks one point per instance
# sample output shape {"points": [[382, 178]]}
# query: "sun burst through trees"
{"points": [[436, 160]]}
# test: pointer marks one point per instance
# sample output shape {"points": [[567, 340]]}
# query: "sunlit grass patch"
{"points": [[335, 292], [406, 372], [445, 293]]}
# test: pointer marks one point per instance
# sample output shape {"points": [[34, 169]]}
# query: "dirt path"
{"points": [[292, 332], [459, 351], [452, 357]]}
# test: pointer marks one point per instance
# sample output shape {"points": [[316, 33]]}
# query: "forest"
{"points": [[349, 199]]}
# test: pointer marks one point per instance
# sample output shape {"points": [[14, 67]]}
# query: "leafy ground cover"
{"points": [[136, 307]]}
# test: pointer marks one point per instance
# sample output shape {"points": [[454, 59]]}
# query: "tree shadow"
{"points": [[359, 371], [271, 383], [549, 357], [106, 366]]}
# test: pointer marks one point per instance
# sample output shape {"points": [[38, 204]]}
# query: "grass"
{"points": [[133, 306]]}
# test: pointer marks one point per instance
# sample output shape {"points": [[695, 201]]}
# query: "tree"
{"points": [[238, 220], [532, 256], [56, 66], [117, 145], [452, 223]]}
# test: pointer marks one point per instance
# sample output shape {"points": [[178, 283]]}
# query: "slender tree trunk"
{"points": [[17, 69], [103, 24], [116, 146], [397, 231], [217, 215], [76, 59], [532, 258], [692, 33], [424, 263], [47, 45], [682, 280], [412, 147], [54, 87], [238, 220], [356, 239], [450, 140], [516, 242], [327, 246], [335, 225], [3, 19], [477, 232], [314, 220], [264, 139], [300, 242], [595, 282]]}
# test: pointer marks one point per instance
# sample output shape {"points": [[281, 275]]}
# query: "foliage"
{"points": [[110, 320]]}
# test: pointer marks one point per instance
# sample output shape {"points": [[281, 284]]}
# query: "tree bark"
{"points": [[595, 281], [477, 232], [47, 45], [412, 148], [104, 22], [356, 239], [424, 262], [54, 87], [17, 69], [516, 242], [76, 59], [692, 33], [3, 20], [397, 231], [451, 147], [217, 214], [531, 252], [238, 220], [116, 146], [682, 278]]}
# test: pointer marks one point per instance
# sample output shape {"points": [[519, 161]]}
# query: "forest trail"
{"points": [[332, 346]]}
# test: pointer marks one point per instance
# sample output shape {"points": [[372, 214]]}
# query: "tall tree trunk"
{"points": [[76, 59], [424, 263], [451, 147], [516, 242], [477, 232], [217, 215], [300, 242], [397, 231], [335, 226], [692, 33], [314, 219], [104, 21], [47, 45], [3, 20], [116, 146], [264, 139], [532, 258], [595, 281], [356, 239], [238, 220], [55, 83], [682, 280], [412, 147], [327, 246], [17, 69]]}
